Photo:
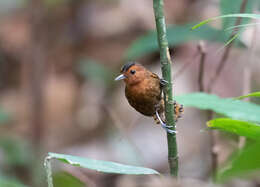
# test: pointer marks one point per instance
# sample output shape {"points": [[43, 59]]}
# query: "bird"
{"points": [[143, 90]]}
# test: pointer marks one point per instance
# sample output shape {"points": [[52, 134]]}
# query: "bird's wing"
{"points": [[153, 75]]}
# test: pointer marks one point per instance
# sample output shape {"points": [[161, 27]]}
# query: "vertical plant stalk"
{"points": [[247, 76], [166, 73], [213, 152], [223, 60]]}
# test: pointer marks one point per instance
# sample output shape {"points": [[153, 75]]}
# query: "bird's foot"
{"points": [[178, 108], [164, 125]]}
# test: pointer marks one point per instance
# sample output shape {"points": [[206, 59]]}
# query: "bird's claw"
{"points": [[178, 108], [164, 125]]}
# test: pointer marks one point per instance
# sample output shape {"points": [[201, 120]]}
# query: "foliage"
{"points": [[252, 16], [61, 179], [243, 163], [241, 128], [254, 94], [232, 7], [16, 152], [102, 166], [97, 165], [10, 182], [234, 109], [177, 34]]}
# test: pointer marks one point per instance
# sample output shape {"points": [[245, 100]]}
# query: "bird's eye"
{"points": [[132, 71]]}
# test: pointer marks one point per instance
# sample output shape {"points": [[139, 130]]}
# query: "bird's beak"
{"points": [[120, 77]]}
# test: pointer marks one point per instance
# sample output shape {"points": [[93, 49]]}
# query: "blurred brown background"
{"points": [[58, 59]]}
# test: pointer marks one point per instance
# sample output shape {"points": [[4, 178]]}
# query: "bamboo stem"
{"points": [[165, 59]]}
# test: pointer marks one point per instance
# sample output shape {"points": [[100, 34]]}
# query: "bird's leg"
{"points": [[166, 127]]}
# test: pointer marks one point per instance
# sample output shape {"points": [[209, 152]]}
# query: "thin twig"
{"points": [[165, 59], [36, 63], [247, 74], [202, 50], [225, 55], [212, 82], [212, 136]]}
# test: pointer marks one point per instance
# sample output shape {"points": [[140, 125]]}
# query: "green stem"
{"points": [[166, 73]]}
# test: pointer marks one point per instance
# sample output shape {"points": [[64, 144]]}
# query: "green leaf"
{"points": [[176, 34], [242, 26], [102, 166], [241, 128], [231, 39], [252, 16], [15, 152], [9, 182], [4, 116], [62, 179], [254, 94], [235, 109], [232, 7], [246, 162]]}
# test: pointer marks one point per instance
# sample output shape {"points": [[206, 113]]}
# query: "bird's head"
{"points": [[132, 73]]}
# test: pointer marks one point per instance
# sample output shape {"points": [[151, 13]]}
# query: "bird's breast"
{"points": [[144, 97]]}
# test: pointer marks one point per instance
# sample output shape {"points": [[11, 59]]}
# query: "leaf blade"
{"points": [[241, 128], [234, 109], [253, 94], [102, 166], [232, 7], [251, 16], [176, 34], [244, 163]]}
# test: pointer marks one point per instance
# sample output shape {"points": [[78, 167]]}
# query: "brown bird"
{"points": [[144, 92]]}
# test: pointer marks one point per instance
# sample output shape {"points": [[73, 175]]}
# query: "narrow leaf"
{"points": [[252, 16], [233, 7], [242, 25], [254, 94], [231, 39], [235, 109], [102, 166], [241, 128], [228, 42]]}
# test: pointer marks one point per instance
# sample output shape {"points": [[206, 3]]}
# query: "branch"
{"points": [[202, 50], [166, 72]]}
